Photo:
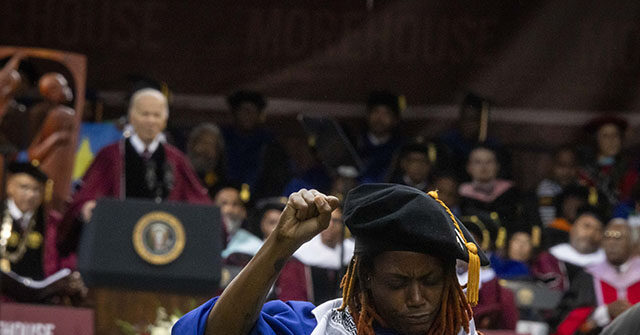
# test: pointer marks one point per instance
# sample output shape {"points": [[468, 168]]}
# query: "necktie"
{"points": [[146, 155]]}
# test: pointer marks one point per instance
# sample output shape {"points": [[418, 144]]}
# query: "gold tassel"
{"points": [[593, 196], [433, 153], [486, 239], [473, 276], [245, 193], [501, 238], [536, 236], [402, 103], [48, 191]]}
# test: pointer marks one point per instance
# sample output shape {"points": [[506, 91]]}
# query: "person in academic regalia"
{"points": [[604, 165], [142, 165], [205, 150], [414, 164], [27, 248], [514, 261], [27, 242], [471, 129], [382, 139], [607, 288], [401, 279], [564, 262], [254, 156], [563, 174], [239, 243], [487, 192]]}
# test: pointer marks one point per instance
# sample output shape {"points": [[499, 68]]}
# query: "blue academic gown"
{"points": [[276, 318]]}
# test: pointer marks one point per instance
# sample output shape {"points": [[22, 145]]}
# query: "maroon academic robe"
{"points": [[604, 285], [104, 179]]}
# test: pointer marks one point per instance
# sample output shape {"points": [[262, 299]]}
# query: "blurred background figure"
{"points": [[602, 164], [382, 138], [254, 157], [563, 173], [206, 152], [485, 191], [564, 262], [414, 164]]}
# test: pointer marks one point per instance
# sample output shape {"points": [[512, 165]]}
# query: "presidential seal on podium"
{"points": [[158, 238]]}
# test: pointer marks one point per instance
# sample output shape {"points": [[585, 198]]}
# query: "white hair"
{"points": [[148, 92]]}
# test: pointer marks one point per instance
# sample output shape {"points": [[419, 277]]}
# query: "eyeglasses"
{"points": [[613, 234]]}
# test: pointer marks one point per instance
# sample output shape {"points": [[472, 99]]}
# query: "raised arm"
{"points": [[307, 213]]}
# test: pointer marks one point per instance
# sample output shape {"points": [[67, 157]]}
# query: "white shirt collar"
{"points": [[409, 182], [17, 214], [139, 146], [625, 267], [375, 140]]}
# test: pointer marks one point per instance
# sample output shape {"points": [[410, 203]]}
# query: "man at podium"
{"points": [[142, 165]]}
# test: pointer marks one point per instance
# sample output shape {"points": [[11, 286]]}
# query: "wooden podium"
{"points": [[137, 256]]}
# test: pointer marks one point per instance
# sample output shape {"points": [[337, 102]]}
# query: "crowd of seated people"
{"points": [[575, 234]]}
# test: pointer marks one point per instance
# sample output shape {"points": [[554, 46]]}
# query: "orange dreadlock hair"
{"points": [[455, 312]]}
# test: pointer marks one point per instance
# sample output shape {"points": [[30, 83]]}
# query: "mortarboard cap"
{"points": [[263, 205], [595, 124], [388, 99], [28, 168], [239, 97], [392, 217]]}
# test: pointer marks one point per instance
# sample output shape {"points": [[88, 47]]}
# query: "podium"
{"points": [[137, 256]]}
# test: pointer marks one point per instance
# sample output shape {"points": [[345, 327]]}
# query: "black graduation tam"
{"points": [[28, 168], [239, 97], [263, 205], [420, 145], [595, 124], [594, 211], [388, 217], [384, 98], [474, 101], [392, 217]]}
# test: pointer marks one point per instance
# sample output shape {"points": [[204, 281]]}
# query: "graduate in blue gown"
{"points": [[401, 280]]}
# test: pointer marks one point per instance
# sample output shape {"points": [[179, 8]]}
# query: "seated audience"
{"points": [[607, 288]]}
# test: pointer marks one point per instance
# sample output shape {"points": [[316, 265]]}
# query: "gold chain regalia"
{"points": [[6, 258]]}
